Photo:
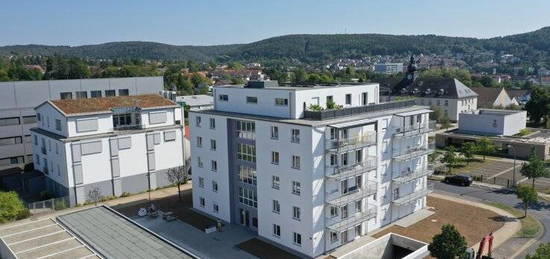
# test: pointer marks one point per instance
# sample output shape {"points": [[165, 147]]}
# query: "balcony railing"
{"points": [[339, 172], [332, 114], [128, 127], [412, 175], [339, 224], [353, 142], [352, 195], [411, 153], [414, 196], [415, 129]]}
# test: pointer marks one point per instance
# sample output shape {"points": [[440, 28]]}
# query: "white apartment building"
{"points": [[116, 144], [307, 180]]}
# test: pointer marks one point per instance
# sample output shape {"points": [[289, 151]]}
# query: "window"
{"points": [[123, 120], [359, 156], [358, 206], [201, 182], [95, 94], [198, 121], [348, 99], [58, 124], [276, 230], [199, 162], [296, 188], [29, 119], [252, 99], [295, 138], [212, 123], [332, 133], [276, 206], [202, 202], [275, 182], [35, 138], [215, 208], [65, 95], [281, 101], [358, 230], [297, 239], [223, 97], [214, 165], [248, 197], [396, 194], [123, 92], [214, 186], [11, 141], [109, 93], [213, 144], [296, 213], [274, 157], [333, 211], [274, 132], [438, 102], [247, 174], [333, 237], [246, 152], [199, 141], [446, 102], [333, 159], [81, 95], [9, 121], [344, 159], [296, 162], [344, 211], [246, 129]]}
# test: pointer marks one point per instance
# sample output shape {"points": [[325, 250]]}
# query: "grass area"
{"points": [[530, 227], [474, 165]]}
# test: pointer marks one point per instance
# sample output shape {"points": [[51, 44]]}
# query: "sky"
{"points": [[212, 22]]}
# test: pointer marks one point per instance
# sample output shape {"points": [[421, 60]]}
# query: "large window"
{"points": [[296, 188], [251, 99], [122, 120], [9, 121], [348, 99], [247, 175], [296, 213], [281, 101], [246, 129], [29, 119], [11, 141], [65, 95], [297, 239], [248, 197], [296, 162], [274, 157], [81, 95], [109, 93], [295, 138], [276, 230], [95, 94], [274, 132], [246, 152], [223, 97], [123, 92]]}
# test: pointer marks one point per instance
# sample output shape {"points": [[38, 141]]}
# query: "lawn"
{"points": [[530, 227], [472, 222]]}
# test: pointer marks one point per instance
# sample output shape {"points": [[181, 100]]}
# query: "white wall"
{"points": [[48, 115], [453, 108], [493, 123]]}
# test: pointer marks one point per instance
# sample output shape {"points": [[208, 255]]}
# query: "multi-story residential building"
{"points": [[110, 144], [268, 158], [18, 100], [388, 68]]}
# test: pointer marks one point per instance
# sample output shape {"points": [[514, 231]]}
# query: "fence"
{"points": [[505, 182], [47, 205]]}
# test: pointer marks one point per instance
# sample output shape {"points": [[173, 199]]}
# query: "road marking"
{"points": [[49, 244], [23, 224], [503, 172], [29, 230], [60, 252], [33, 238]]}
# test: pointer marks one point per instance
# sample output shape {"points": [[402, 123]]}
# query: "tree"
{"points": [[485, 147], [11, 207], [178, 176], [542, 252], [534, 168], [528, 195], [437, 113], [450, 158], [538, 106], [468, 149], [449, 244]]}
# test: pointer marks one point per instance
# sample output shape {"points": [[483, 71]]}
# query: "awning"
{"points": [[405, 114], [350, 124]]}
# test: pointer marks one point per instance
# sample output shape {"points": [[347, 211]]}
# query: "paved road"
{"points": [[541, 211]]}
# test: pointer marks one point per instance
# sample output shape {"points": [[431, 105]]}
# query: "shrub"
{"points": [[60, 205], [12, 207], [125, 194]]}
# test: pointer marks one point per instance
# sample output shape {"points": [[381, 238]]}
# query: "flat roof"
{"points": [[112, 235], [297, 88], [315, 123]]}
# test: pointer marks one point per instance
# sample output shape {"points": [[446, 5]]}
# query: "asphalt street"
{"points": [[541, 211]]}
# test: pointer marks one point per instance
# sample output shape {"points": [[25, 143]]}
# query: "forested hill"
{"points": [[531, 46]]}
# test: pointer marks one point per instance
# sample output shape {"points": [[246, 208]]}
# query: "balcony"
{"points": [[333, 114], [414, 196], [415, 129], [340, 172], [340, 224], [414, 152], [351, 143], [128, 127], [410, 176], [354, 194]]}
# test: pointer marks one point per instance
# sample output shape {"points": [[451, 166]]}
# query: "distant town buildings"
{"points": [[18, 100], [110, 145], [309, 168], [388, 68], [491, 97]]}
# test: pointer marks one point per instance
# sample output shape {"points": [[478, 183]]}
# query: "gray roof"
{"points": [[450, 88], [196, 100], [114, 236]]}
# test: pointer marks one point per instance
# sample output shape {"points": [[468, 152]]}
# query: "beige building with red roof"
{"points": [[113, 145]]}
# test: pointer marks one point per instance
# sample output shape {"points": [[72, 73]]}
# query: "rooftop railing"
{"points": [[332, 114]]}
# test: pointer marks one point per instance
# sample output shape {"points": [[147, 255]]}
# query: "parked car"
{"points": [[459, 179]]}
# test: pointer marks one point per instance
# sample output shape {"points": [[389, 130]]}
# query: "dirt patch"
{"points": [[264, 250], [182, 209], [472, 222]]}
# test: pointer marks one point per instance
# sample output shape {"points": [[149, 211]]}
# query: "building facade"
{"points": [[388, 68], [493, 122], [114, 145], [311, 180], [18, 100]]}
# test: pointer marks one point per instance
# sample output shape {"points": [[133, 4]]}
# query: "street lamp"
{"points": [[514, 175]]}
